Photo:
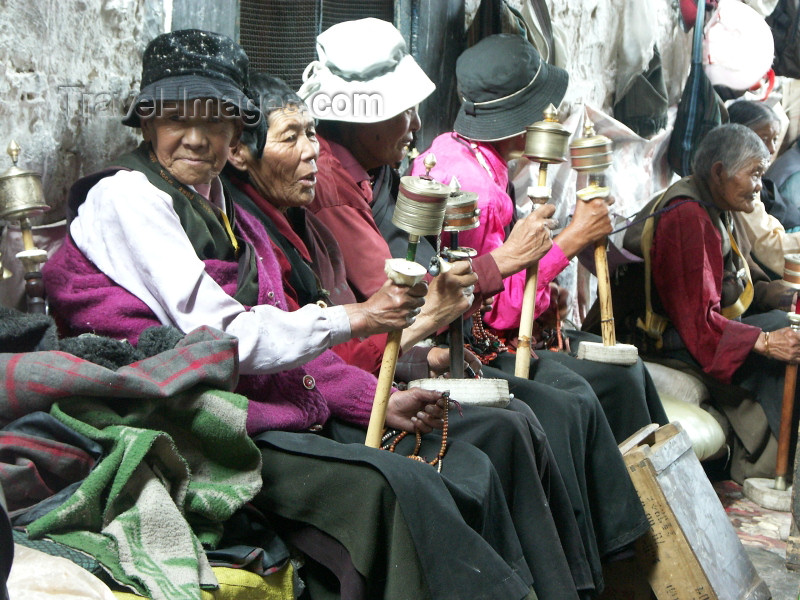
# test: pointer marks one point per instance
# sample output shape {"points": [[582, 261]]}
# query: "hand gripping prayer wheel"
{"points": [[591, 154], [545, 143], [420, 209], [21, 197]]}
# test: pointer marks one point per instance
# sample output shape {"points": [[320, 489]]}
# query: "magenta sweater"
{"points": [[85, 300]]}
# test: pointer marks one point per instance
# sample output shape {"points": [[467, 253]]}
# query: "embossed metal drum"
{"points": [[462, 212], [421, 205], [791, 271]]}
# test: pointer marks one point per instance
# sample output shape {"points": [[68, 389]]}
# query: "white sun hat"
{"points": [[364, 74], [737, 46]]}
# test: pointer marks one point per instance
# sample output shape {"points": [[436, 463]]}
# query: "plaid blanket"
{"points": [[177, 463]]}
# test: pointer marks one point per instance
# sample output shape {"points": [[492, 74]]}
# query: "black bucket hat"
{"points": [[189, 64], [504, 86]]}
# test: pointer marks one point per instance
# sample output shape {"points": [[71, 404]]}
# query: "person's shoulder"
{"points": [[684, 212], [335, 186], [454, 157], [126, 189]]}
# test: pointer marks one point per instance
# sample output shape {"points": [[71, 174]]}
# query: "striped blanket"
{"points": [[177, 463]]}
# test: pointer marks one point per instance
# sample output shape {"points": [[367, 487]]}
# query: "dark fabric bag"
{"points": [[644, 106], [785, 25], [700, 110]]}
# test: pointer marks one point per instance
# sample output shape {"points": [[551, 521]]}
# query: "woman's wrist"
{"points": [[762, 345]]}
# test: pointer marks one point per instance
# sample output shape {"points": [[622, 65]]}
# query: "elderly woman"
{"points": [[356, 186], [156, 239], [715, 302], [270, 179], [499, 99], [772, 226]]}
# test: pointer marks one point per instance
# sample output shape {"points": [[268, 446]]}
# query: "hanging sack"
{"points": [[785, 25], [700, 110]]}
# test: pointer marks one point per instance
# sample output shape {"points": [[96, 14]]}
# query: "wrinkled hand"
{"points": [[439, 362], [415, 410], [449, 294], [391, 307], [591, 222], [529, 240], [784, 345]]}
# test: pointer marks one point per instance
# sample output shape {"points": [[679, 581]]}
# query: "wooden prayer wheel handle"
{"points": [[785, 434], [787, 409], [604, 293], [522, 366], [401, 272], [377, 417]]}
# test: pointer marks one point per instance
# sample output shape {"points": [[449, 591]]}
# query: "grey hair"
{"points": [[270, 93], [751, 114], [733, 145]]}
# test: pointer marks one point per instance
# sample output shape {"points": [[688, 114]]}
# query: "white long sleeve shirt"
{"points": [[130, 231]]}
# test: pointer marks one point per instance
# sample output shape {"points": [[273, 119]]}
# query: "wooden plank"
{"points": [[692, 551], [664, 552]]}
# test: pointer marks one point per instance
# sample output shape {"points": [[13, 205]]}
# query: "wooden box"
{"points": [[692, 551]]}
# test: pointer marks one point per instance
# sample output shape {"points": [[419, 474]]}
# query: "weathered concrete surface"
{"points": [[67, 72]]}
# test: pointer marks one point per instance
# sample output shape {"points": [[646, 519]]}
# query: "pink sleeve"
{"points": [[505, 313]]}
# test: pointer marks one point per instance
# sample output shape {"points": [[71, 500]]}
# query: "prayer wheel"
{"points": [[421, 205], [420, 209], [462, 212], [791, 271], [21, 197], [591, 154], [546, 143]]}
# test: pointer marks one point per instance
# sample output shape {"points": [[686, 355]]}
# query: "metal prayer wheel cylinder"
{"points": [[592, 152], [461, 211], [21, 193], [791, 271], [546, 141], [421, 205]]}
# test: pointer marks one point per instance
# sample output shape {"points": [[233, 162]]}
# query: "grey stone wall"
{"points": [[68, 69]]}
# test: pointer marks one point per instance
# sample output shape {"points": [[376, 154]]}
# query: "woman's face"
{"points": [[769, 134], [737, 191], [384, 143], [286, 172], [191, 139]]}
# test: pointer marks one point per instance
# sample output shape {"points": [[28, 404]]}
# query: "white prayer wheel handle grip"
{"points": [[401, 272], [593, 191], [404, 272]]}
